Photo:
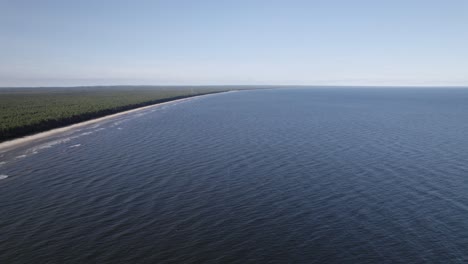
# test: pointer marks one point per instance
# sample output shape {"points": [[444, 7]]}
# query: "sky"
{"points": [[203, 42]]}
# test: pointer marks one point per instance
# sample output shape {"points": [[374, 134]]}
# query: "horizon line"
{"points": [[239, 85]]}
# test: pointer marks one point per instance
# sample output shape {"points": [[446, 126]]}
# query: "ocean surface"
{"points": [[326, 175]]}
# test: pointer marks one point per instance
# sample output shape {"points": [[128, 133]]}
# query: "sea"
{"points": [[291, 175]]}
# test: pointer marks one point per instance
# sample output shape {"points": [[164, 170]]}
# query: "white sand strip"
{"points": [[11, 144]]}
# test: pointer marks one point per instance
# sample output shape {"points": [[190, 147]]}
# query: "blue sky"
{"points": [[347, 42]]}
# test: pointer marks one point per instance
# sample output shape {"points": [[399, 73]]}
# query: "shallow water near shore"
{"points": [[332, 175]]}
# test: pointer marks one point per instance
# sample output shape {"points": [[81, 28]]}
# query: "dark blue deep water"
{"points": [[272, 176]]}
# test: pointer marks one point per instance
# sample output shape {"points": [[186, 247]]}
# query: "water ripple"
{"points": [[302, 176]]}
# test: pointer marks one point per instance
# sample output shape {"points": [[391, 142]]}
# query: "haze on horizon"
{"points": [[362, 42]]}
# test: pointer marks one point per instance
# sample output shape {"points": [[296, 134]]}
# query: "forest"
{"points": [[24, 111]]}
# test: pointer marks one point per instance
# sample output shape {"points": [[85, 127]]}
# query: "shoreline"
{"points": [[17, 142]]}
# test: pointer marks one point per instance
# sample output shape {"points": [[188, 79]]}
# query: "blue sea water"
{"points": [[324, 175]]}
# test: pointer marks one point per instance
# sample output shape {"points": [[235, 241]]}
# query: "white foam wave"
{"points": [[3, 176], [118, 123], [49, 145], [75, 146]]}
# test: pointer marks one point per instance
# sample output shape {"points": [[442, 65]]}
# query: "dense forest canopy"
{"points": [[24, 111]]}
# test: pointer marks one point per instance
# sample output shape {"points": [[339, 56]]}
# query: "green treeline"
{"points": [[24, 111]]}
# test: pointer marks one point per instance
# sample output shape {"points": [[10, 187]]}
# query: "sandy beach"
{"points": [[14, 143]]}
